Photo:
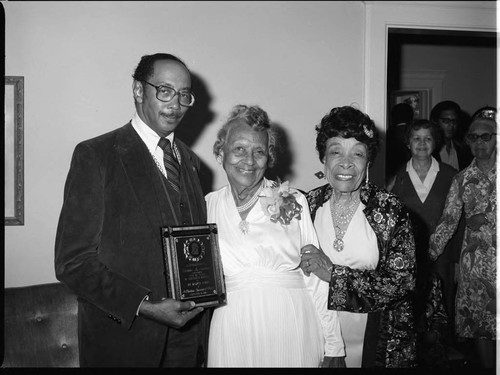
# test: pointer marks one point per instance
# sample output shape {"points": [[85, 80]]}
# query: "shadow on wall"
{"points": [[194, 123], [284, 158]]}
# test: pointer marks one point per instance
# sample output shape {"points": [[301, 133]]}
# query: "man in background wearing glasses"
{"points": [[454, 152], [121, 189]]}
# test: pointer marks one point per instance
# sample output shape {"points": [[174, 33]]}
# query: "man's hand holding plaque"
{"points": [[169, 311]]}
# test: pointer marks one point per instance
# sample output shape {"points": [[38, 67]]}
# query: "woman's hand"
{"points": [[316, 261], [433, 253]]}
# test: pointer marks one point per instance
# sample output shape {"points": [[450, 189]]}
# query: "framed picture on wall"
{"points": [[419, 99], [14, 150]]}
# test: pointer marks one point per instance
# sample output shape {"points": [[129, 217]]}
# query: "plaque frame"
{"points": [[189, 251]]}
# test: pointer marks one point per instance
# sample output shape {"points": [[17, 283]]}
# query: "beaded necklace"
{"points": [[250, 203], [341, 219], [244, 225]]}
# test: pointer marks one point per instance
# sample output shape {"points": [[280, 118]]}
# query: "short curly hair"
{"points": [[347, 122], [258, 120], [436, 131]]}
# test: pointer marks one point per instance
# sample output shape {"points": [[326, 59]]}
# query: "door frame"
{"points": [[473, 16]]}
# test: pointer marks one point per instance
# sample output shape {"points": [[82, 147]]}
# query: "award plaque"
{"points": [[193, 264]]}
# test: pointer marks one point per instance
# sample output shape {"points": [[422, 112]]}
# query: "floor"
{"points": [[462, 356]]}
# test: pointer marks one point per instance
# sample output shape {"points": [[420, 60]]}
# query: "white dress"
{"points": [[270, 319], [360, 252]]}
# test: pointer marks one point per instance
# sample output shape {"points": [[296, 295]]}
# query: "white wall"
{"points": [[433, 15], [295, 59], [468, 73]]}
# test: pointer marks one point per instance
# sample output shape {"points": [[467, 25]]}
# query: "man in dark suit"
{"points": [[118, 195]]}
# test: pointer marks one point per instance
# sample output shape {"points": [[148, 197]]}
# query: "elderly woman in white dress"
{"points": [[271, 318]]}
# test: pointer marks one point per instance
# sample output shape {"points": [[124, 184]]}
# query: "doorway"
{"points": [[427, 66]]}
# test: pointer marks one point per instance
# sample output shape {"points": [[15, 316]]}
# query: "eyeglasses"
{"points": [[448, 121], [166, 94], [485, 137]]}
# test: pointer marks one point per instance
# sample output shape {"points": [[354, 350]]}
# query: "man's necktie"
{"points": [[171, 164]]}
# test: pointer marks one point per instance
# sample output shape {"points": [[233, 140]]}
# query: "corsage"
{"points": [[279, 203]]}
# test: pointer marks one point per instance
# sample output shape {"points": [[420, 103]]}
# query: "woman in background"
{"points": [[473, 194], [422, 185]]}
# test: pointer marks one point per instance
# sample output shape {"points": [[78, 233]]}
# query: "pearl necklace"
{"points": [[250, 203], [341, 219], [244, 225]]}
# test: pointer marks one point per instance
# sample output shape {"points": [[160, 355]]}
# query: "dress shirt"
{"points": [[151, 139], [423, 188], [450, 158]]}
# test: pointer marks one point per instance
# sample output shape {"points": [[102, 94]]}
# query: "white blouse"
{"points": [[360, 252]]}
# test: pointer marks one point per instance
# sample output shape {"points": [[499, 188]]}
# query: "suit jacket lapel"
{"points": [[141, 173], [189, 175]]}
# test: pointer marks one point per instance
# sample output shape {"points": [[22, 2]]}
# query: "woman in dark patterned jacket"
{"points": [[367, 253]]}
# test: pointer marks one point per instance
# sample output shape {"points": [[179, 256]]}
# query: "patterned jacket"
{"points": [[386, 292]]}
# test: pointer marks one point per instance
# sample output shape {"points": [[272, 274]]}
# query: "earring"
{"points": [[367, 169]]}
